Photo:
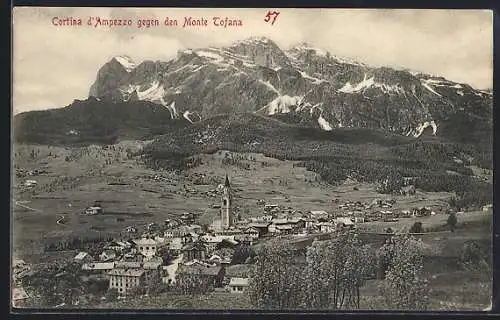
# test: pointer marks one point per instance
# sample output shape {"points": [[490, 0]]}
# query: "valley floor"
{"points": [[133, 195]]}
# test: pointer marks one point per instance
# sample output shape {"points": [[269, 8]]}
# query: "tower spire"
{"points": [[226, 183]]}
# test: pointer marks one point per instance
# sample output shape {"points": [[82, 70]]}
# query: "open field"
{"points": [[131, 195]]}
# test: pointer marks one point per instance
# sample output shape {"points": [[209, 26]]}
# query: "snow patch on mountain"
{"points": [[198, 68], [460, 93], [325, 125], [313, 79], [371, 83], [366, 83], [428, 87], [282, 104], [173, 111], [210, 55], [186, 115], [420, 128], [126, 62]]}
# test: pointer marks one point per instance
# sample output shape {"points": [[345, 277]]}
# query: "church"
{"points": [[228, 218]]}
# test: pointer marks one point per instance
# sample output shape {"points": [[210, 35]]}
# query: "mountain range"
{"points": [[303, 86]]}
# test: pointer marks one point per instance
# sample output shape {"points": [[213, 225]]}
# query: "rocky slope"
{"points": [[303, 85]]}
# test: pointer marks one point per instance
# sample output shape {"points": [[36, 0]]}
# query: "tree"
{"points": [[336, 269], [241, 253], [193, 284], [416, 228], [112, 295], [275, 279], [452, 221], [403, 287], [473, 258]]}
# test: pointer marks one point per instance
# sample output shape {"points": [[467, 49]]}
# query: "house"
{"points": [[152, 226], [283, 229], [487, 207], [326, 227], [30, 183], [238, 285], [19, 296], [133, 256], [214, 275], [359, 219], [194, 250], [195, 228], [18, 263], [83, 257], [146, 246], [344, 222], [107, 255], [270, 208], [131, 229], [286, 225], [236, 271], [309, 223], [117, 246], [126, 279], [212, 242], [175, 246], [316, 214], [93, 210], [262, 227], [98, 267], [252, 232], [168, 234], [153, 270]]}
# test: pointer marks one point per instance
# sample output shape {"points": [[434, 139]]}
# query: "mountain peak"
{"points": [[257, 40], [126, 62]]}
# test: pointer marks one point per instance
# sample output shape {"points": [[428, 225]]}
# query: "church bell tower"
{"points": [[227, 218]]}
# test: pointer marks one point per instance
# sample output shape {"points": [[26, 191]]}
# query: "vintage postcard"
{"points": [[252, 159]]}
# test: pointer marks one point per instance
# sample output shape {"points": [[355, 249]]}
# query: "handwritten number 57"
{"points": [[274, 15]]}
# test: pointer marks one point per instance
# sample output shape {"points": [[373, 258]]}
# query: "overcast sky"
{"points": [[54, 65]]}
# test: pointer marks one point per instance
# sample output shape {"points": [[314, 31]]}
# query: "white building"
{"points": [[238, 285], [147, 247], [126, 279]]}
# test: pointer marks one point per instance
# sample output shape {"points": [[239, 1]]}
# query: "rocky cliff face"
{"points": [[303, 85]]}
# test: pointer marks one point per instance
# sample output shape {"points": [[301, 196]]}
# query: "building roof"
{"points": [[238, 282], [251, 229], [346, 221], [145, 241], [259, 224], [238, 270], [197, 269], [284, 227], [109, 252], [218, 238], [18, 262], [127, 265], [19, 294], [175, 244], [98, 266], [285, 221], [126, 272], [319, 212], [81, 255], [151, 265]]}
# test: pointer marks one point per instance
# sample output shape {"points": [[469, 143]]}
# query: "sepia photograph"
{"points": [[251, 159]]}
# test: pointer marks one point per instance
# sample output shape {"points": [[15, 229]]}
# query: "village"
{"points": [[180, 249]]}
